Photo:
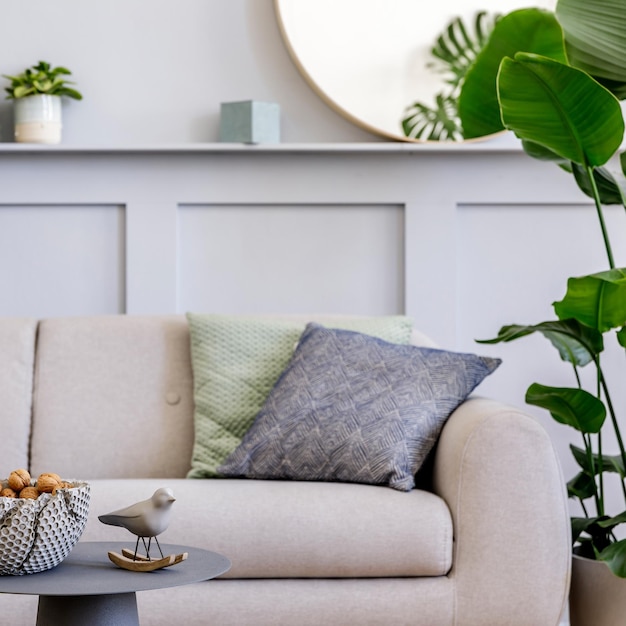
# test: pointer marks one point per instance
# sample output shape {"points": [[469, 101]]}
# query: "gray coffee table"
{"points": [[87, 588]]}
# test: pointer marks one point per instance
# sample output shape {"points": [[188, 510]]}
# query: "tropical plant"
{"points": [[454, 52], [553, 78], [41, 79]]}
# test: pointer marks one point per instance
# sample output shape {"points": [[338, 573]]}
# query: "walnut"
{"points": [[55, 476], [7, 492], [29, 492], [48, 483], [19, 479]]}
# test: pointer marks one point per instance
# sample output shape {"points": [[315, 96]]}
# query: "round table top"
{"points": [[87, 571]]}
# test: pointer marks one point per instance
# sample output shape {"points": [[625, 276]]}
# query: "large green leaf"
{"points": [[622, 159], [621, 336], [595, 36], [582, 524], [597, 300], [530, 30], [541, 153], [559, 107], [615, 557], [576, 343], [610, 463], [611, 187], [613, 521], [573, 407], [581, 486]]}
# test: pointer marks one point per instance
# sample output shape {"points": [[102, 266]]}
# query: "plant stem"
{"points": [[584, 508], [601, 470], [600, 460], [576, 371], [596, 198], [596, 496], [618, 434]]}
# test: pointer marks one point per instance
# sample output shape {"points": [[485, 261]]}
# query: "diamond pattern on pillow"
{"points": [[353, 408]]}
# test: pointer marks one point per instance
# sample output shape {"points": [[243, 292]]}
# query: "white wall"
{"points": [[154, 71]]}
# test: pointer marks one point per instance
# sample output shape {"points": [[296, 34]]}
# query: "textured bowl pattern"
{"points": [[36, 535]]}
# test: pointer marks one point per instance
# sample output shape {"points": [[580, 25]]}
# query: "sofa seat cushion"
{"points": [[289, 529]]}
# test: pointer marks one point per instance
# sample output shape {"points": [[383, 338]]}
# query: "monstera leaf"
{"points": [[438, 123], [459, 44], [454, 52]]}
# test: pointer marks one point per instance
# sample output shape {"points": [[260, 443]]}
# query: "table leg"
{"points": [[103, 610]]}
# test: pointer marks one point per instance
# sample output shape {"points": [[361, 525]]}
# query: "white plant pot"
{"points": [[38, 119], [597, 597]]}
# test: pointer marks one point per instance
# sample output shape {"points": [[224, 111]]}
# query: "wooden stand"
{"points": [[139, 563]]}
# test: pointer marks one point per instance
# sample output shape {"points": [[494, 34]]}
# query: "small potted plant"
{"points": [[37, 92]]}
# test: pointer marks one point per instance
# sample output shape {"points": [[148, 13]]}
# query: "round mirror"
{"points": [[371, 60]]}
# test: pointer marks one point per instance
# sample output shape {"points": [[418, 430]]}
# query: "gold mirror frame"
{"points": [[328, 53]]}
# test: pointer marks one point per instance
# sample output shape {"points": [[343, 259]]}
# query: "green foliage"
{"points": [[595, 39], [611, 188], [597, 300], [582, 486], [457, 47], [531, 30], [574, 407], [437, 124], [454, 52], [577, 344], [614, 555], [592, 465], [566, 112], [41, 79]]}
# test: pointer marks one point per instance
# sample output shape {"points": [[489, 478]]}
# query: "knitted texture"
{"points": [[236, 361], [353, 408]]}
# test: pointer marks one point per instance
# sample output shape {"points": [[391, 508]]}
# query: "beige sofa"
{"points": [[109, 399]]}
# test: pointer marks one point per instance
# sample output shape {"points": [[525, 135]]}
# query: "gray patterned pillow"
{"points": [[353, 408]]}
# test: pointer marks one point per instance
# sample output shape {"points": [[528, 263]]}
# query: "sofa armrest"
{"points": [[497, 470]]}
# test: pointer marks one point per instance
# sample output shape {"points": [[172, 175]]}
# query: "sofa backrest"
{"points": [[17, 355], [113, 397]]}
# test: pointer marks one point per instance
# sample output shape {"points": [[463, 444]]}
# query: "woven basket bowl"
{"points": [[36, 535]]}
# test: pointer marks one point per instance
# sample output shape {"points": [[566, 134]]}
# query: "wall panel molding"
{"points": [[296, 258], [433, 184], [58, 258]]}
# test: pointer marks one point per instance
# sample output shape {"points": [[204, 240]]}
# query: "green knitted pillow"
{"points": [[236, 362]]}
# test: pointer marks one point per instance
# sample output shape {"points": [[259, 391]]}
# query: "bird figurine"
{"points": [[146, 519]]}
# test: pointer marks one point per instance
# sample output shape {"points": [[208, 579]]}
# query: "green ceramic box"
{"points": [[250, 122]]}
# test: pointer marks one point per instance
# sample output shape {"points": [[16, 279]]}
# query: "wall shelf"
{"points": [[495, 145]]}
